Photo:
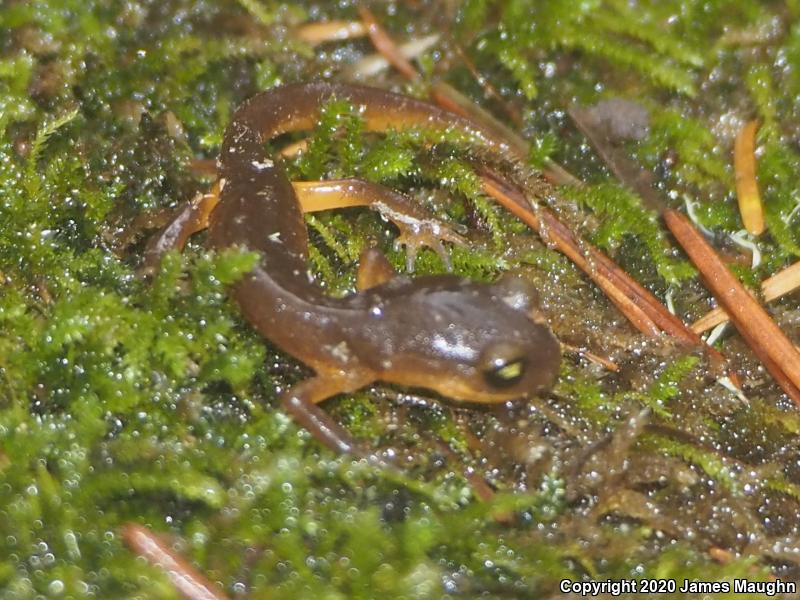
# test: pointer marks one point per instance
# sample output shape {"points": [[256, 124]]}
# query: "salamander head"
{"points": [[470, 341]]}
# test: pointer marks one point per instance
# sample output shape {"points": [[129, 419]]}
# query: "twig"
{"points": [[766, 339], [487, 86], [744, 162], [606, 363], [778, 285], [375, 63], [189, 583], [385, 45], [641, 308], [450, 99]]}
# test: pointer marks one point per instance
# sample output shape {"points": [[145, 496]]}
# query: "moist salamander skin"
{"points": [[468, 341]]}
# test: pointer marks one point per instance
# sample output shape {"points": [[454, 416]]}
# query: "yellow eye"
{"points": [[503, 364], [510, 371], [504, 374]]}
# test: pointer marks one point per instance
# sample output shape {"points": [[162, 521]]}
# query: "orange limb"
{"points": [[417, 226]]}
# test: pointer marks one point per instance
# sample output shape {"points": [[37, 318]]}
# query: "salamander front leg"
{"points": [[301, 400], [373, 269]]}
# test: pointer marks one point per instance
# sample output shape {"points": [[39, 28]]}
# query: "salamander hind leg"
{"points": [[418, 227]]}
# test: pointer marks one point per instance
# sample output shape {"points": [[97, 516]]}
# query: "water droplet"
{"points": [[56, 587]]}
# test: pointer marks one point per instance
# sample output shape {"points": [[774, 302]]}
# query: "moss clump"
{"points": [[149, 400], [621, 215], [609, 31]]}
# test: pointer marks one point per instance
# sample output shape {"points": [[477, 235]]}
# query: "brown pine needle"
{"points": [[451, 99], [606, 363], [385, 45], [768, 342], [639, 306], [487, 86], [782, 282], [189, 583], [545, 223], [721, 555], [744, 162], [778, 285], [318, 33]]}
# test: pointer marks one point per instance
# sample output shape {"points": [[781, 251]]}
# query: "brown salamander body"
{"points": [[468, 341]]}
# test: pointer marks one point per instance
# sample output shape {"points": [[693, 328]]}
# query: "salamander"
{"points": [[468, 341]]}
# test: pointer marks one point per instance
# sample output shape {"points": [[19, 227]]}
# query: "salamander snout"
{"points": [[524, 365]]}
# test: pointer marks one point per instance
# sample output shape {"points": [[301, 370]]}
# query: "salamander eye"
{"points": [[503, 365]]}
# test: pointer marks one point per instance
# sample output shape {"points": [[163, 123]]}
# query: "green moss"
{"points": [[621, 214], [336, 143], [780, 200], [589, 396], [715, 466], [610, 31], [665, 388], [149, 400], [699, 157]]}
